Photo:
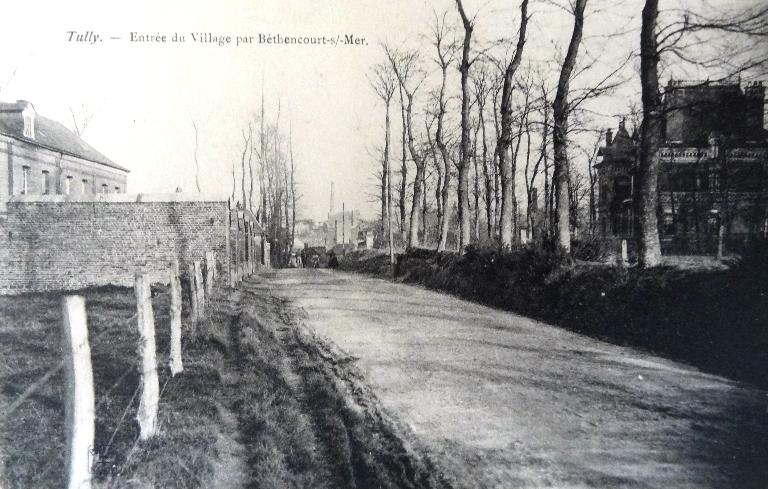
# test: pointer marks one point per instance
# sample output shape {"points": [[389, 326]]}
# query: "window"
{"points": [[25, 180], [622, 188], [668, 223], [84, 186], [68, 185], [104, 188], [714, 181], [46, 182], [28, 114], [117, 190]]}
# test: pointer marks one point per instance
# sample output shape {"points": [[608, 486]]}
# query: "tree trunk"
{"points": [[488, 182], [476, 209], [438, 186], [424, 201], [445, 216], [646, 223], [418, 159], [403, 170], [506, 164], [413, 227], [559, 136], [463, 186], [386, 187], [388, 171]]}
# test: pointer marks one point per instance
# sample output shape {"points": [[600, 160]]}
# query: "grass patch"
{"points": [[32, 438], [259, 403]]}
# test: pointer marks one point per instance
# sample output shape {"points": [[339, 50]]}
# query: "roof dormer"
{"points": [[28, 115]]}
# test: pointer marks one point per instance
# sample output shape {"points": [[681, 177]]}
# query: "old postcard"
{"points": [[400, 244]]}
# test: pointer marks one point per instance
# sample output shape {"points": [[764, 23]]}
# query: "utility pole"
{"points": [[343, 233]]}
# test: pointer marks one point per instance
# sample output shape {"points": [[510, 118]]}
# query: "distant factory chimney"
{"points": [[330, 209]]}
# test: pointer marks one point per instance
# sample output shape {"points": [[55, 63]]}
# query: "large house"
{"points": [[41, 156], [713, 169]]}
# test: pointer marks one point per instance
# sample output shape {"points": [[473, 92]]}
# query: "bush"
{"points": [[588, 248]]}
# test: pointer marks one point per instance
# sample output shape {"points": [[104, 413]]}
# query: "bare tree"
{"points": [[475, 183], [383, 81], [463, 166], [508, 231], [292, 188], [560, 129], [482, 89], [247, 143], [405, 65], [403, 188], [81, 120], [194, 154], [591, 160], [446, 53]]}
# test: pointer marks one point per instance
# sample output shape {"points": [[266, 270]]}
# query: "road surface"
{"points": [[499, 400]]}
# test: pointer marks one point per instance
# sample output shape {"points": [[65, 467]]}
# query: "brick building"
{"points": [[713, 169], [39, 156]]}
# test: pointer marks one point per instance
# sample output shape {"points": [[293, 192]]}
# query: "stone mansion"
{"points": [[41, 156], [713, 169]]}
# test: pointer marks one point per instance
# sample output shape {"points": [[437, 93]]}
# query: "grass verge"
{"points": [[260, 403]]}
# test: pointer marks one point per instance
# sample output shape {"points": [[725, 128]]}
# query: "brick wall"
{"points": [[58, 242]]}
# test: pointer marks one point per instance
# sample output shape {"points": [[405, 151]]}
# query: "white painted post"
{"points": [[210, 272], [624, 253], [80, 407], [175, 362], [199, 288], [720, 242], [193, 295], [150, 386]]}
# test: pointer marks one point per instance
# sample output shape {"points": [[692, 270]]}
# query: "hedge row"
{"points": [[715, 320]]}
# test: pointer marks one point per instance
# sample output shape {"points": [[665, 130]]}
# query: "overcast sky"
{"points": [[144, 95]]}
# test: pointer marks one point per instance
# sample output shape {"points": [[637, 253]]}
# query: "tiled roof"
{"points": [[49, 134]]}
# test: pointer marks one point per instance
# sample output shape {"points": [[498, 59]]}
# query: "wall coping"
{"points": [[119, 198]]}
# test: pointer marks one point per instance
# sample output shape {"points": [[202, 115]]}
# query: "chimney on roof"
{"points": [[608, 137], [28, 115]]}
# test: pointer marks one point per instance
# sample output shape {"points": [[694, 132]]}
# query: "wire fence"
{"points": [[200, 288]]}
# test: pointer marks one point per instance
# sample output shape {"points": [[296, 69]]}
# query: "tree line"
{"points": [[264, 180], [486, 128]]}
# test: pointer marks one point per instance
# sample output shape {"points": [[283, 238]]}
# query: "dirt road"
{"points": [[499, 400]]}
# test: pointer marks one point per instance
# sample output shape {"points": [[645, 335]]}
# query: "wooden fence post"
{"points": [[150, 385], [210, 272], [175, 362], [199, 288], [80, 407]]}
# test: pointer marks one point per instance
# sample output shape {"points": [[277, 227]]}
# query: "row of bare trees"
{"points": [[512, 123], [264, 180]]}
